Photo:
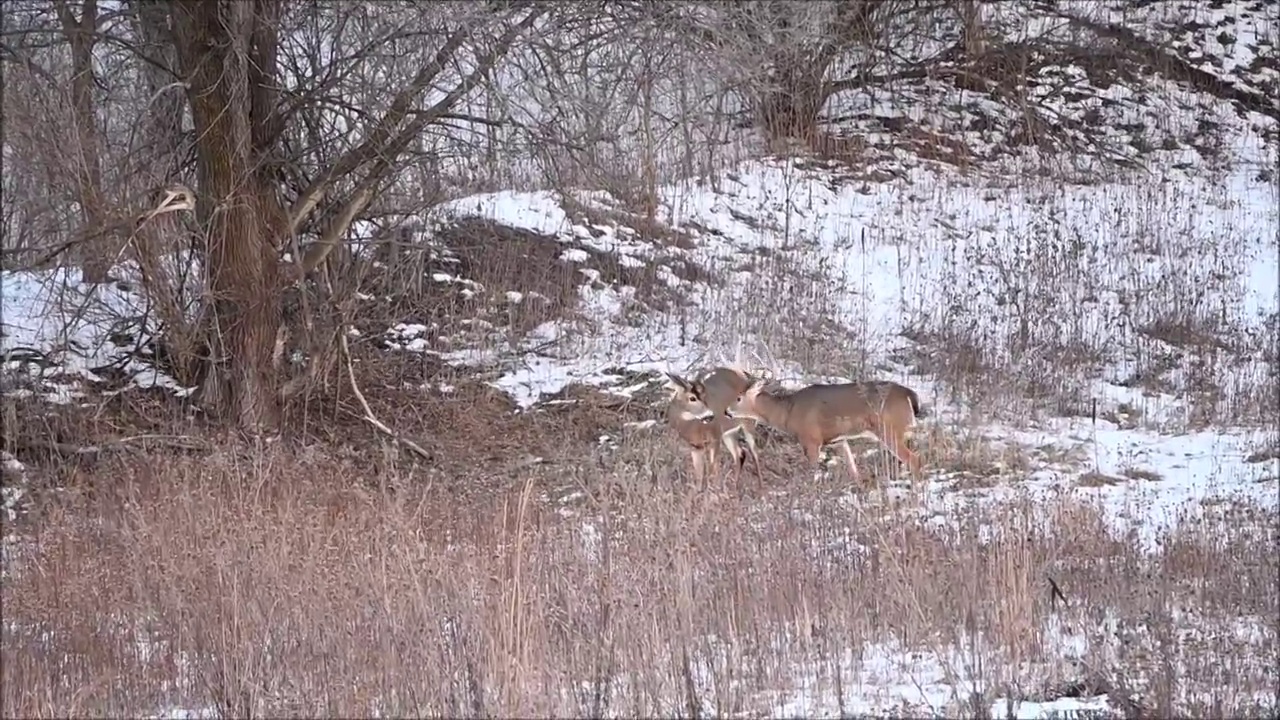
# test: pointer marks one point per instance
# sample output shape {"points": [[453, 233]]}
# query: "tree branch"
{"points": [[392, 147], [382, 133], [368, 411]]}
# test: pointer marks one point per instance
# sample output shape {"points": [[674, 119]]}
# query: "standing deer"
{"points": [[820, 415], [698, 414]]}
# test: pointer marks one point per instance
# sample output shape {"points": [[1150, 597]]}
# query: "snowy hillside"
{"points": [[900, 274], [1107, 334]]}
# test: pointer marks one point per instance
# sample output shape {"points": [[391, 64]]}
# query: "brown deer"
{"points": [[820, 415], [697, 412]]}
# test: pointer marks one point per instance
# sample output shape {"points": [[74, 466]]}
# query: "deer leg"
{"points": [[750, 439], [848, 458], [699, 469], [713, 463], [897, 445], [813, 450], [738, 454]]}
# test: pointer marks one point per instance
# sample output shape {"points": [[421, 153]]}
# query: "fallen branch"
{"points": [[66, 449], [1055, 594], [369, 417]]}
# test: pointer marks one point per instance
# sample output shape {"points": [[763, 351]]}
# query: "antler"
{"points": [[177, 197]]}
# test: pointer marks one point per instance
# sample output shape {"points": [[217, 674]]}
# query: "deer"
{"points": [[697, 412], [831, 414]]}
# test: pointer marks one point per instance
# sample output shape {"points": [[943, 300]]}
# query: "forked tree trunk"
{"points": [[790, 114], [240, 382], [973, 39], [227, 55], [214, 38], [790, 109]]}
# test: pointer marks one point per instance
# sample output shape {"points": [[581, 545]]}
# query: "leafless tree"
{"points": [[617, 102], [229, 56], [71, 96], [293, 120], [82, 35], [787, 59], [300, 114]]}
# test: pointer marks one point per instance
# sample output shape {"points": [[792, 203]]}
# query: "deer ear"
{"points": [[675, 382]]}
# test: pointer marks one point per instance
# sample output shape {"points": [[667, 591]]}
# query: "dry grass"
{"points": [[966, 451], [329, 575], [1137, 473], [1096, 479], [294, 581], [1183, 335]]}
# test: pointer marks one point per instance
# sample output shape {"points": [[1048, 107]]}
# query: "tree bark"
{"points": [[227, 51], [791, 108], [157, 155], [96, 256], [972, 35], [214, 40], [163, 147]]}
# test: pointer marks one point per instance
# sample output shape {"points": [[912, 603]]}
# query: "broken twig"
{"points": [[368, 412]]}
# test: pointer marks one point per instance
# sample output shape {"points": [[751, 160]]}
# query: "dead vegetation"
{"points": [[560, 562], [296, 581]]}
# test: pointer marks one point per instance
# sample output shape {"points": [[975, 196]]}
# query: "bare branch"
{"points": [[381, 135]]}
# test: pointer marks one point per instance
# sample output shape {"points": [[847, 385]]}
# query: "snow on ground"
{"points": [[896, 250], [893, 253], [913, 251], [945, 682], [1145, 482], [926, 249], [1064, 671], [59, 331], [181, 713], [885, 678]]}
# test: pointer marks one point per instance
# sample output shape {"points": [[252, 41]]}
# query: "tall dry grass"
{"points": [[292, 582]]}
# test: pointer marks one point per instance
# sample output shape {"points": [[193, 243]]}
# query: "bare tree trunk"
{"points": [[791, 108], [215, 44], [162, 148], [96, 256], [158, 152], [227, 54], [973, 38], [799, 88]]}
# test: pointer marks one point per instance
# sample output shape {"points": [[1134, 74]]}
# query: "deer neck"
{"points": [[775, 410]]}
